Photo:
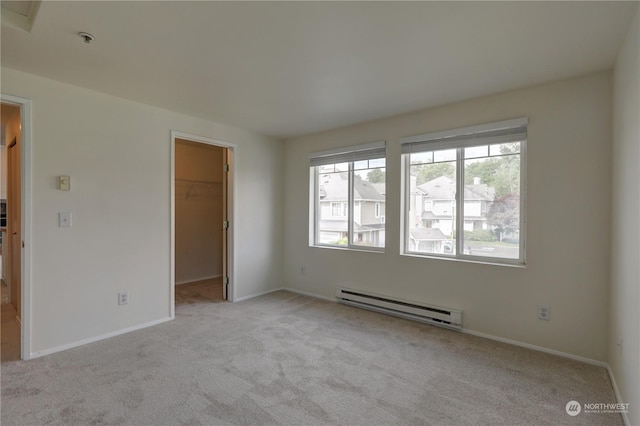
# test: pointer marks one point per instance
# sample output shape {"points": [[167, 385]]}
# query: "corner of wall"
{"points": [[624, 294]]}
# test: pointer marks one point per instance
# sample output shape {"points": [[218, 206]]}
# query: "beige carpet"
{"points": [[290, 359], [206, 291]]}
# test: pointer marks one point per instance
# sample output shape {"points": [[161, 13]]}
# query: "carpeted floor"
{"points": [[206, 291], [288, 359]]}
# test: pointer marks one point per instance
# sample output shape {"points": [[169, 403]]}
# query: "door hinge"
{"points": [[226, 168], [225, 224], [225, 280]]}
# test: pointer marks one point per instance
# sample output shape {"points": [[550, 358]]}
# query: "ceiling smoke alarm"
{"points": [[88, 38]]}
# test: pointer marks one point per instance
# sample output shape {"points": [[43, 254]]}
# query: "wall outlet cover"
{"points": [[123, 298], [544, 312]]}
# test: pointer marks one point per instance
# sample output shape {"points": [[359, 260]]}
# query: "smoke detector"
{"points": [[88, 38]]}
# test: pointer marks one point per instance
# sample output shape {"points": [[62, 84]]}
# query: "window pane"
{"points": [[359, 165], [492, 205], [377, 162], [444, 155], [369, 191], [329, 168], [342, 167], [421, 157], [332, 207], [432, 208], [476, 151], [505, 148]]}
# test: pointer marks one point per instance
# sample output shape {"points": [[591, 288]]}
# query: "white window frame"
{"points": [[350, 155], [459, 139]]}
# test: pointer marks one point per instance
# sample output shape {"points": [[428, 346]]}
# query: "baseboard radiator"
{"points": [[444, 317]]}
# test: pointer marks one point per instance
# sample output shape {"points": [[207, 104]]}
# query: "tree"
{"points": [[502, 173], [427, 172], [504, 214], [376, 176]]}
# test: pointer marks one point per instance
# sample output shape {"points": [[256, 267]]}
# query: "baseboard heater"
{"points": [[444, 317]]}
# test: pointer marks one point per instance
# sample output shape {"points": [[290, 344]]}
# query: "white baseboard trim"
{"points": [[306, 293], [96, 338], [536, 348], [251, 296], [195, 280], [625, 416]]}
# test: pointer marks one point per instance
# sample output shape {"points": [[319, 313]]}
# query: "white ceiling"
{"points": [[19, 7], [292, 68]]}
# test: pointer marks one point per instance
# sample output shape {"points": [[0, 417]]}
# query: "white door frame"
{"points": [[231, 195], [25, 188]]}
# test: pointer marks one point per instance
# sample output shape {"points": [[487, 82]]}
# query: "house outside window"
{"points": [[339, 209], [464, 193], [347, 197]]}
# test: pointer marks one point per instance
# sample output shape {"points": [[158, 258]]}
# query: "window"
{"points": [[338, 209], [464, 193], [347, 203]]}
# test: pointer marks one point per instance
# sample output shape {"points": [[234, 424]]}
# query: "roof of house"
{"points": [[334, 187], [444, 188], [427, 234], [333, 225], [341, 226], [381, 187], [429, 215]]}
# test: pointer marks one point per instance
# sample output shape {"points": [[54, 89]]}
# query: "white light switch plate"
{"points": [[64, 219]]}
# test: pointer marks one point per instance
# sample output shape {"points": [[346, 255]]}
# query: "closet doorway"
{"points": [[10, 227], [202, 203], [15, 220]]}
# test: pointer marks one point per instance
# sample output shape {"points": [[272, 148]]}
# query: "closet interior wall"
{"points": [[198, 204]]}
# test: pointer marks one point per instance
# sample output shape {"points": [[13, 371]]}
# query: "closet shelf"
{"points": [[202, 182]]}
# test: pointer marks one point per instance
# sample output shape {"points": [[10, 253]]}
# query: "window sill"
{"points": [[475, 260], [352, 248]]}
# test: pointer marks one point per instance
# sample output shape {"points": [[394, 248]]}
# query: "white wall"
{"points": [[569, 150], [117, 153], [625, 250], [198, 211]]}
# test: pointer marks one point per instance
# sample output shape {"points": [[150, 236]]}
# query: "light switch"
{"points": [[64, 220], [64, 183]]}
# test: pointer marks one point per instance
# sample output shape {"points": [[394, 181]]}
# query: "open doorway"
{"points": [[11, 229], [201, 203]]}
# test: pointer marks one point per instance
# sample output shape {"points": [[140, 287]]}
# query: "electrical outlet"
{"points": [[544, 312], [303, 270], [123, 298], [620, 343]]}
